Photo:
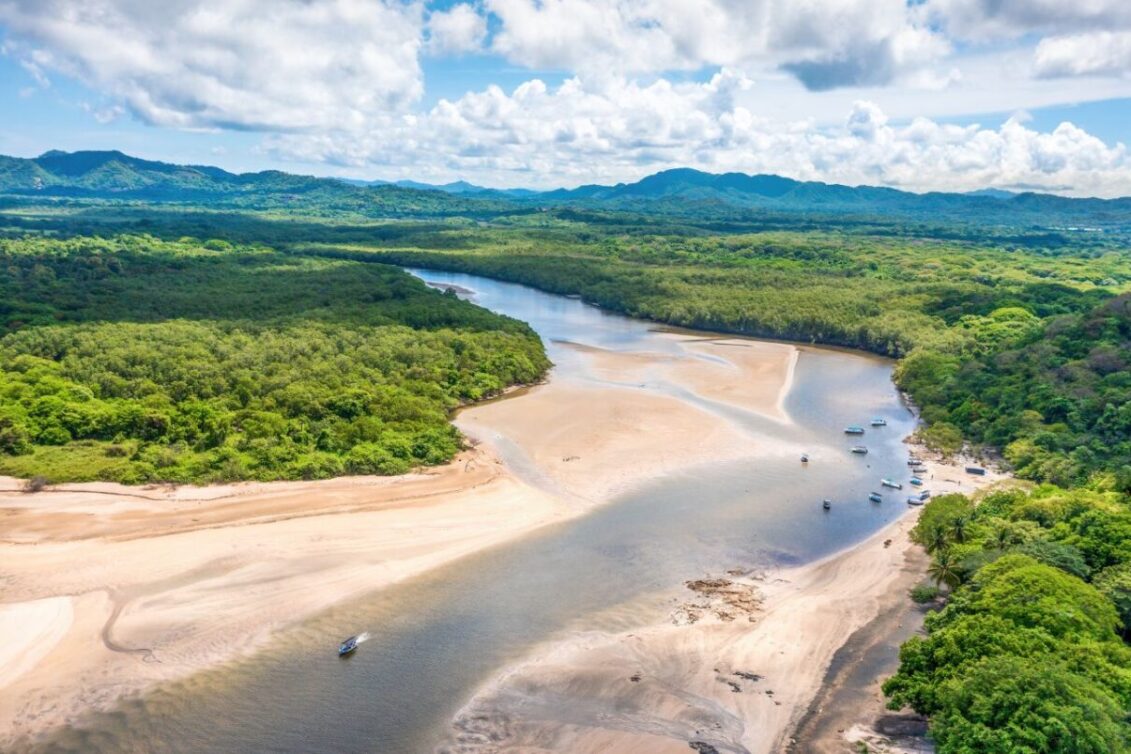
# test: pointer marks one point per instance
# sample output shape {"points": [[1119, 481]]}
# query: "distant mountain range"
{"points": [[456, 187], [679, 193]]}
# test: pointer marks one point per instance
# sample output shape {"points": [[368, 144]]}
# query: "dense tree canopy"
{"points": [[135, 359]]}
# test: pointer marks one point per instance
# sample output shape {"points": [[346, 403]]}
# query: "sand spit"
{"points": [[733, 669], [108, 590]]}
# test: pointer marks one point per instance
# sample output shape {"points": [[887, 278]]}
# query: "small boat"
{"points": [[347, 646], [914, 501], [854, 430], [917, 481], [877, 422], [875, 497], [925, 495], [919, 470], [890, 483], [975, 470], [859, 449], [826, 503], [913, 461], [804, 458]]}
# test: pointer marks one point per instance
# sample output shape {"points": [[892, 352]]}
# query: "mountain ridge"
{"points": [[683, 192]]}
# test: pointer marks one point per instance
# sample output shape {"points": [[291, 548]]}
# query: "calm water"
{"points": [[437, 637]]}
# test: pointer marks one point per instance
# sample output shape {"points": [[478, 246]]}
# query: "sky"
{"points": [[921, 95]]}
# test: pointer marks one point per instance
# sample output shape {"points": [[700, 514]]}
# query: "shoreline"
{"points": [[737, 666], [198, 576]]}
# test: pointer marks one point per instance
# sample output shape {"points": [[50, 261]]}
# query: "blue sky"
{"points": [[940, 94]]}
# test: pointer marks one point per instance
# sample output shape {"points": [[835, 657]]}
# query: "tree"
{"points": [[944, 569]]}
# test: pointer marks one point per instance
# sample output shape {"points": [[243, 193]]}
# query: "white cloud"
{"points": [[245, 64], [457, 30], [825, 44], [1083, 54], [617, 129], [1011, 19]]}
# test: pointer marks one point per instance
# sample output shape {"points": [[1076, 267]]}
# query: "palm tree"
{"points": [[938, 539], [958, 528], [944, 569]]}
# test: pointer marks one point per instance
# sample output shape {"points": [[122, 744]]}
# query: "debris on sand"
{"points": [[725, 599], [702, 747]]}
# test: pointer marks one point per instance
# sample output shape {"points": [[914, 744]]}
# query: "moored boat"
{"points": [[878, 422], [804, 458], [917, 481], [859, 449], [347, 646], [875, 497], [826, 503], [914, 501], [925, 495], [854, 429], [890, 483]]}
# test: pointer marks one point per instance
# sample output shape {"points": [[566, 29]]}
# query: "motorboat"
{"points": [[854, 430], [890, 483], [878, 422], [859, 450], [348, 646], [826, 503], [914, 501], [875, 497], [917, 481]]}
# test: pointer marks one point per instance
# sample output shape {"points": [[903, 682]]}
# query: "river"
{"points": [[436, 638]]}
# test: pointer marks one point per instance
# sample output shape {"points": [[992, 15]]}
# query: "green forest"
{"points": [[136, 360]]}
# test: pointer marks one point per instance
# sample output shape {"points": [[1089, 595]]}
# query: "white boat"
{"points": [[890, 483]]}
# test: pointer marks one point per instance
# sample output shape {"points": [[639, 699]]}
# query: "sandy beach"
{"points": [[732, 669], [108, 590]]}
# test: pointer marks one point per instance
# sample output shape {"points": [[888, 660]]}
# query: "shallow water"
{"points": [[435, 638]]}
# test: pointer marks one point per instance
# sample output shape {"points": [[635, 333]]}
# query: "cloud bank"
{"points": [[648, 83], [621, 130]]}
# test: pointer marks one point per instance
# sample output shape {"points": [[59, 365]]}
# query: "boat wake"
{"points": [[363, 637]]}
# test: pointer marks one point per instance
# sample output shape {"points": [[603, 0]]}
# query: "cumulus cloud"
{"points": [[245, 64], [1078, 38], [826, 45], [618, 129], [459, 29], [1104, 53]]}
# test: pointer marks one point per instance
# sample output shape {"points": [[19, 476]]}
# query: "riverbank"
{"points": [[734, 667], [110, 590]]}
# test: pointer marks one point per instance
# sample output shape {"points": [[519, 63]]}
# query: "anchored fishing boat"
{"points": [[826, 503], [875, 497], [804, 458], [914, 501], [854, 429], [917, 481], [859, 450], [878, 422], [890, 483]]}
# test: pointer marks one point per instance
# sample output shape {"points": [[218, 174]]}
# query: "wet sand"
{"points": [[108, 590], [734, 668]]}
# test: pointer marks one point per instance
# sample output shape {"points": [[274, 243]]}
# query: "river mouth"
{"points": [[436, 638]]}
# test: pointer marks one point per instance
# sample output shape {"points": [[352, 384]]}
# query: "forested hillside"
{"points": [[135, 359]]}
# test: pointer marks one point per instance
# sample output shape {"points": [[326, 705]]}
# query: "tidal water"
{"points": [[436, 638]]}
